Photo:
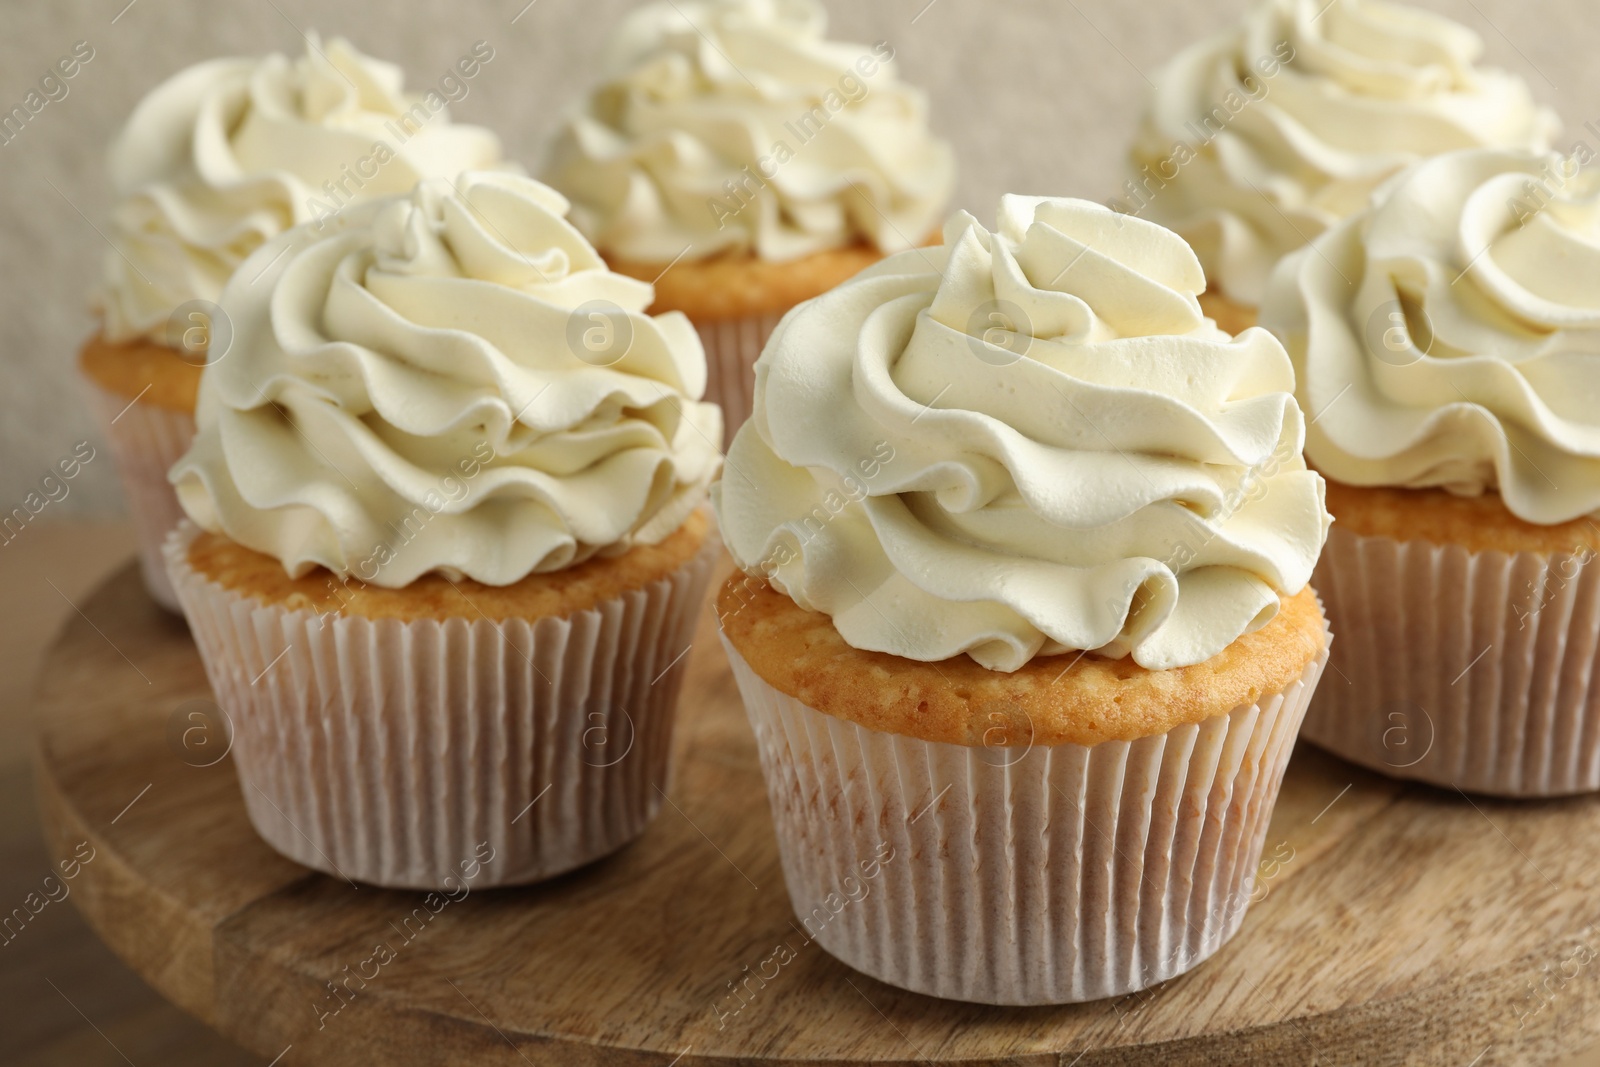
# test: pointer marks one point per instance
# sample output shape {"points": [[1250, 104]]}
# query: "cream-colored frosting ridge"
{"points": [[1261, 137], [447, 382], [1026, 442], [737, 127], [227, 154], [1451, 336]]}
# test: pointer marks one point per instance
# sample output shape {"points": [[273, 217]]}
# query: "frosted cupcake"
{"points": [[448, 556], [1258, 139], [1448, 346], [1025, 543], [742, 161], [214, 162]]}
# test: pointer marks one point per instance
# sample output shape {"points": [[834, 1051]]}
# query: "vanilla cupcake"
{"points": [[744, 163], [448, 556], [1023, 629], [214, 162], [1260, 138], [1447, 346]]}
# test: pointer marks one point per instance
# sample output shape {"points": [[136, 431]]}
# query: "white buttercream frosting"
{"points": [[1026, 442], [451, 381], [735, 126], [1261, 137], [229, 153], [1451, 336]]}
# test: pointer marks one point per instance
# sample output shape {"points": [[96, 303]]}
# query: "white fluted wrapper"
{"points": [[732, 348], [146, 441], [1473, 670], [1005, 876], [388, 752]]}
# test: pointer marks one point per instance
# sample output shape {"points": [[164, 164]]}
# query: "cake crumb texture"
{"points": [[1066, 699], [433, 596], [1477, 523], [154, 373]]}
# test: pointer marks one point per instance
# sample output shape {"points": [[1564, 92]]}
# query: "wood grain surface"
{"points": [[1395, 923]]}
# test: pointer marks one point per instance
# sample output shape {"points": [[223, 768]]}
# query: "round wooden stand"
{"points": [[1393, 923]]}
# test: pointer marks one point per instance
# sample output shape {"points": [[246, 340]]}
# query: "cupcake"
{"points": [[1023, 627], [1447, 346], [744, 163], [446, 559], [1260, 138], [214, 162]]}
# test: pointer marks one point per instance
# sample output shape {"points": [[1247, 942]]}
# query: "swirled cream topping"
{"points": [[1451, 336], [1023, 443], [735, 126], [229, 153], [452, 382], [1260, 138]]}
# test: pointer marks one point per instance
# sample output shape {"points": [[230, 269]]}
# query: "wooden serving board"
{"points": [[1394, 923]]}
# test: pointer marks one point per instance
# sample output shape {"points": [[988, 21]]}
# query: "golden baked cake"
{"points": [[447, 619], [1016, 568], [1446, 353]]}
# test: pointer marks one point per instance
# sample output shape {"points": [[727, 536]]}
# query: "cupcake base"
{"points": [[1006, 875], [144, 394], [146, 441], [732, 348], [1467, 669], [399, 752]]}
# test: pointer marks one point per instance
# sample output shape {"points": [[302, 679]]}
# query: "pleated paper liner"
{"points": [[1467, 670], [732, 348], [1021, 876], [146, 441], [397, 753]]}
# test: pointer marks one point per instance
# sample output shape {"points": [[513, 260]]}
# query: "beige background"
{"points": [[1039, 96]]}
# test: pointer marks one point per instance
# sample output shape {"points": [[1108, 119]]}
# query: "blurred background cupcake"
{"points": [[449, 555], [1447, 349], [744, 163], [1025, 543], [214, 162], [1259, 138]]}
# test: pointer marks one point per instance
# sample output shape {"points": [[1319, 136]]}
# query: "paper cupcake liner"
{"points": [[146, 441], [732, 348], [1472, 670], [397, 753], [1021, 876]]}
